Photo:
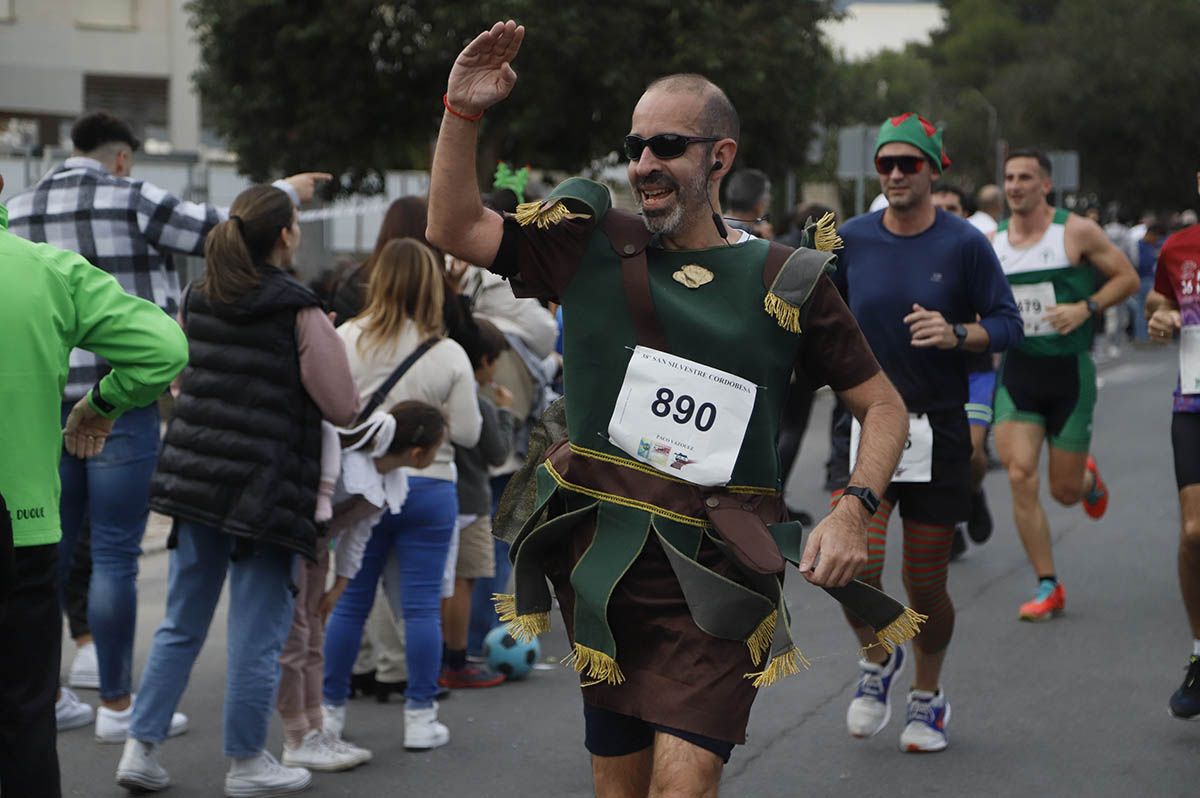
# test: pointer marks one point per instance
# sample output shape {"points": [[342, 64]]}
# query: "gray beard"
{"points": [[689, 199]]}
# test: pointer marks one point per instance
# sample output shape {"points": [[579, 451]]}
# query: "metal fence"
{"points": [[343, 229]]}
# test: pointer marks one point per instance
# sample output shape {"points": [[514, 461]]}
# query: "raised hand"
{"points": [[482, 74]]}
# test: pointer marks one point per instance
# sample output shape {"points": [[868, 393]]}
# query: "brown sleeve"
{"points": [[324, 367], [540, 262], [834, 351]]}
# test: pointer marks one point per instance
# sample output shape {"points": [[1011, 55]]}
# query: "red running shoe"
{"points": [[1045, 605], [1095, 503], [472, 675]]}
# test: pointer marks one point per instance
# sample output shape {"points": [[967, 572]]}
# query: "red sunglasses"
{"points": [[909, 164]]}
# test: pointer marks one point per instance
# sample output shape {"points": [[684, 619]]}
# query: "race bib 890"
{"points": [[681, 417]]}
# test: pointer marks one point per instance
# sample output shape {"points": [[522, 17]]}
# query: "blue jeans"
{"points": [[419, 537], [111, 492], [260, 615], [483, 609], [1137, 309]]}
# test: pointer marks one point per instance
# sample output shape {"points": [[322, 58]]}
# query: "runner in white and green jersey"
{"points": [[1047, 386]]}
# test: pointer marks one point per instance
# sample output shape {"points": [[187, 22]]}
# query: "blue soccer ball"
{"points": [[509, 656]]}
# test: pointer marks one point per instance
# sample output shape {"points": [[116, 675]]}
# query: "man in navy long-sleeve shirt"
{"points": [[927, 289]]}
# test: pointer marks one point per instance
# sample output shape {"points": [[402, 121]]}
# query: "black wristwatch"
{"points": [[864, 495], [960, 336], [1093, 307], [101, 404]]}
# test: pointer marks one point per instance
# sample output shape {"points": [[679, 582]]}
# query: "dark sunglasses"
{"points": [[909, 164], [664, 146]]}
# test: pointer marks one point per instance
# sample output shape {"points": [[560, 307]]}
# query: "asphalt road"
{"points": [[1075, 707]]}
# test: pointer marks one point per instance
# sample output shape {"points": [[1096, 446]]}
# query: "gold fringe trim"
{"points": [[524, 628], [789, 663], [787, 315], [826, 238], [759, 643], [598, 665], [901, 630], [544, 214]]}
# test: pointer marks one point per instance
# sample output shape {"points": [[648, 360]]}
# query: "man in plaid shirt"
{"points": [[130, 229]]}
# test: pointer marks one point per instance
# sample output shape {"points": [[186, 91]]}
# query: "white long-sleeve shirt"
{"points": [[442, 377]]}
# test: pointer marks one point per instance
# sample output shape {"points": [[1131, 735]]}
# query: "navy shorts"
{"points": [[612, 734]]}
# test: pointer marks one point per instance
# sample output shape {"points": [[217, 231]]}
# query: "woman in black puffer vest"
{"points": [[238, 473]]}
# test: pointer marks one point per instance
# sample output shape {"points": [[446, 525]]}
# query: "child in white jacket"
{"points": [[369, 477]]}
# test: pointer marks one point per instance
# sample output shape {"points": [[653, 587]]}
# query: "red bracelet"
{"points": [[446, 102]]}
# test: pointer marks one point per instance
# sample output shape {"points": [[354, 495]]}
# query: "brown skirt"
{"points": [[675, 674]]}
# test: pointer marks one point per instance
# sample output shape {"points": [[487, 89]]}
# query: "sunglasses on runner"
{"points": [[665, 146], [909, 164]]}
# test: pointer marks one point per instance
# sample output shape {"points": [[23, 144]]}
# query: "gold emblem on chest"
{"points": [[693, 276]]}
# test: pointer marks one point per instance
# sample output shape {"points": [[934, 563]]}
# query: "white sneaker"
{"points": [[70, 712], [85, 669], [113, 726], [139, 770], [338, 744], [318, 751], [333, 720], [928, 714], [871, 708], [422, 730], [262, 775]]}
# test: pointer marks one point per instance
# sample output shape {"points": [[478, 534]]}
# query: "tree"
{"points": [[354, 87]]}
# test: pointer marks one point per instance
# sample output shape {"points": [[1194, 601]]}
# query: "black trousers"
{"points": [[31, 632], [75, 591], [797, 410]]}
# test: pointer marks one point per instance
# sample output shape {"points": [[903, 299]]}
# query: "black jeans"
{"points": [[79, 578], [31, 630]]}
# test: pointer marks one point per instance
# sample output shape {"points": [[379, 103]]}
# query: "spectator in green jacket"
{"points": [[52, 301]]}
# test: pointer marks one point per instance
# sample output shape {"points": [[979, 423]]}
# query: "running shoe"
{"points": [[871, 708], [958, 546], [1096, 501], [979, 527], [928, 714], [469, 676], [1049, 602], [1185, 703]]}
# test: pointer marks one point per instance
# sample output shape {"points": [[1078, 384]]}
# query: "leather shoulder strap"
{"points": [[628, 237]]}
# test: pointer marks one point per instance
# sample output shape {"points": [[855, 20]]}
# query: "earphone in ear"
{"points": [[717, 165]]}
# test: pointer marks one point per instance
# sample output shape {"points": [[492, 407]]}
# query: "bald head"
{"points": [[715, 116], [990, 200]]}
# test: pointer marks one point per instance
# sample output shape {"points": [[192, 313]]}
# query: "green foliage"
{"points": [[1104, 77], [354, 87]]}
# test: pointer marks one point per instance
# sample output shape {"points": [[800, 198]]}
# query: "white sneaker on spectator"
{"points": [[113, 726], [422, 730], [139, 769], [85, 669], [318, 751], [338, 744], [70, 712], [262, 775], [333, 719]]}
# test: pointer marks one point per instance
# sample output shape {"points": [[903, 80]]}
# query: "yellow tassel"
{"points": [[759, 643], [788, 316], [789, 663], [598, 665], [827, 238], [544, 214], [522, 627], [901, 630]]}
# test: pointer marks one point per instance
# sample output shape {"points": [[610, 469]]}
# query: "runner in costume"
{"points": [[1174, 306], [660, 521], [1047, 386], [927, 290]]}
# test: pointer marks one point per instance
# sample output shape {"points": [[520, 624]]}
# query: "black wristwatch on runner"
{"points": [[864, 495], [960, 335]]}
